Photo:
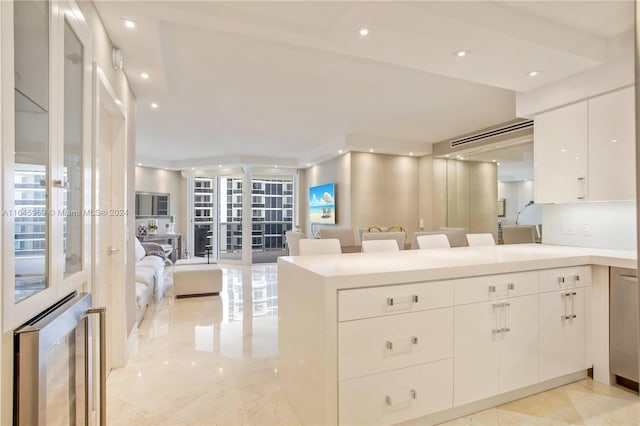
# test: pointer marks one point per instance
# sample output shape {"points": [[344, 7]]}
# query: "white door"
{"points": [[519, 343], [578, 358], [560, 153], [475, 352], [109, 220]]}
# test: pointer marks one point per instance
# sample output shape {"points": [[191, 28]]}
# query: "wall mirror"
{"points": [[152, 204]]}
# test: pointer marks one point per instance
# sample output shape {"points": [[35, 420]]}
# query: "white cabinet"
{"points": [[612, 146], [563, 322], [560, 154], [495, 347], [586, 150]]}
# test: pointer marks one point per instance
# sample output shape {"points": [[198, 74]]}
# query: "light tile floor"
{"points": [[213, 360]]}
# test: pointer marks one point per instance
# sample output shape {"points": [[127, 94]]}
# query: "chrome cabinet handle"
{"points": [[389, 343], [510, 286], [496, 307], [582, 181], [102, 313], [112, 251], [391, 301], [506, 307], [564, 305], [573, 305], [492, 289], [412, 394]]}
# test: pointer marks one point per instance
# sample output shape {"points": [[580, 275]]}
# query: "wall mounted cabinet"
{"points": [[586, 151], [46, 131]]}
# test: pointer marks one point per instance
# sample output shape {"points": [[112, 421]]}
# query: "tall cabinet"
{"points": [[586, 151], [46, 131]]}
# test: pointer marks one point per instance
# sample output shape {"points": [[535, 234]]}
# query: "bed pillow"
{"points": [[140, 252]]}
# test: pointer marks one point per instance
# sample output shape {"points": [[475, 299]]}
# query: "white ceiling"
{"points": [[290, 83]]}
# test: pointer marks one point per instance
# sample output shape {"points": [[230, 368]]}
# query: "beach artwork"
{"points": [[322, 205]]}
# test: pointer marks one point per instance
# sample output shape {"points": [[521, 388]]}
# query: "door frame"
{"points": [[105, 97]]}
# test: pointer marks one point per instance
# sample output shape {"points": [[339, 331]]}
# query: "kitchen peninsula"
{"points": [[431, 335]]}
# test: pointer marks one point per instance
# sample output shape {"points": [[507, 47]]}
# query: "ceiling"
{"points": [[291, 83]]}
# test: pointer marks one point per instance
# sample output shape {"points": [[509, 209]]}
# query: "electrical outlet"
{"points": [[567, 228], [586, 229]]}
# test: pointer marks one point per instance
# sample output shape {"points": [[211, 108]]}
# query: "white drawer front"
{"points": [[479, 289], [561, 278], [378, 344], [396, 396], [393, 299]]}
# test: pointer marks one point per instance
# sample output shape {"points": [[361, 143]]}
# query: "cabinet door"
{"points": [[475, 352], [576, 332], [551, 321], [560, 154], [612, 146], [519, 343]]}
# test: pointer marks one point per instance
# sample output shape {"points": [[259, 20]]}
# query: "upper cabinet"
{"points": [[586, 151], [612, 161], [46, 132]]}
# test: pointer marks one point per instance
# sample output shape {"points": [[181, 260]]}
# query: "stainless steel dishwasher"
{"points": [[623, 326]]}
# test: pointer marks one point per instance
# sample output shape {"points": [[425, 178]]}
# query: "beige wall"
{"points": [[336, 170], [102, 48], [384, 191], [149, 179]]}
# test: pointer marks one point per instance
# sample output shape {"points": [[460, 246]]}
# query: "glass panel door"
{"points": [[31, 172], [272, 217], [230, 217], [73, 216]]}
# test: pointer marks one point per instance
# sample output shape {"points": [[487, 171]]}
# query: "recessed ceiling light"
{"points": [[411, 153], [614, 140], [139, 164], [276, 166], [129, 23], [533, 73], [219, 165], [193, 168], [166, 168], [447, 156], [493, 161], [308, 164], [498, 164], [340, 151], [144, 75], [563, 150], [364, 32], [462, 158], [154, 105], [461, 53], [371, 150], [577, 158], [118, 102]]}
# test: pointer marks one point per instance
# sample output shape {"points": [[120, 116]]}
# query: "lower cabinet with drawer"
{"points": [[396, 396]]}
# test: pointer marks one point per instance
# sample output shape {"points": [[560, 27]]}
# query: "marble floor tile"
{"points": [[214, 360]]}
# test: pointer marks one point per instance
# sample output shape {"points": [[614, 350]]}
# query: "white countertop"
{"points": [[367, 269]]}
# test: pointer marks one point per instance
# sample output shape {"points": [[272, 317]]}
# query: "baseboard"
{"points": [[494, 401]]}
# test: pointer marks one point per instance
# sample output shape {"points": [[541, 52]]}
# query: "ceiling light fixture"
{"points": [[364, 32], [340, 151], [276, 166], [498, 164], [193, 168], [493, 161], [129, 23], [462, 158], [411, 153], [139, 164], [447, 156], [308, 164], [219, 165], [614, 140], [563, 150], [154, 105], [371, 150], [461, 53], [533, 73], [144, 75]]}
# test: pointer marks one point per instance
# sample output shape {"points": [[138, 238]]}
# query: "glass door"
{"points": [[230, 217]]}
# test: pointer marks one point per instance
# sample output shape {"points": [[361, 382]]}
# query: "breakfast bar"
{"points": [[430, 335]]}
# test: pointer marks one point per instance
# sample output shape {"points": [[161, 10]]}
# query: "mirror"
{"points": [[152, 204]]}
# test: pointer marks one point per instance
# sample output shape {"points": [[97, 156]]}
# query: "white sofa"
{"points": [[149, 279]]}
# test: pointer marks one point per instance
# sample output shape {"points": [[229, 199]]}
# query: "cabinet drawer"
{"points": [[385, 343], [396, 396], [393, 299], [479, 289], [560, 278]]}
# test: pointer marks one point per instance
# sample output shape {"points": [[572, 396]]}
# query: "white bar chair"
{"points": [[312, 246], [433, 241], [480, 240], [372, 246]]}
